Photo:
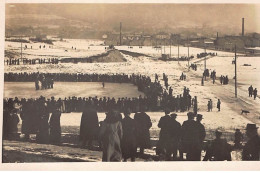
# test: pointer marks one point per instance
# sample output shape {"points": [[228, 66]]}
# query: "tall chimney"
{"points": [[120, 32], [243, 26]]}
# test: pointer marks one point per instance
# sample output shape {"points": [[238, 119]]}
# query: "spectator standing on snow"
{"points": [[218, 104], [255, 93], [250, 91]]}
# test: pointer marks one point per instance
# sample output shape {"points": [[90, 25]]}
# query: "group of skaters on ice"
{"points": [[121, 138], [252, 91]]}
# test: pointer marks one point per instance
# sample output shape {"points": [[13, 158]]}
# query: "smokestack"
{"points": [[120, 31], [243, 26]]}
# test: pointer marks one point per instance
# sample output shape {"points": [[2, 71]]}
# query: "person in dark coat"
{"points": [[13, 121], [128, 143], [43, 133], [219, 149], [202, 135], [250, 91], [238, 139], [251, 150], [26, 116], [55, 128], [164, 143], [175, 135], [143, 124], [110, 135], [255, 93], [190, 138], [89, 126], [218, 104]]}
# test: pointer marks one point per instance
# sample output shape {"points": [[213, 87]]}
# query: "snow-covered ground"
{"points": [[228, 118], [59, 49]]}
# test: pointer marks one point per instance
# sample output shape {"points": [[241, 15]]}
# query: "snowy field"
{"points": [[230, 115], [59, 49]]}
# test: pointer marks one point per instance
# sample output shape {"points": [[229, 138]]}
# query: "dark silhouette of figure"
{"points": [[218, 104], [202, 135], [175, 135], [238, 139], [255, 93], [251, 150], [129, 137], [190, 138], [110, 135], [250, 91], [164, 143], [89, 126], [55, 128], [143, 124], [218, 150]]}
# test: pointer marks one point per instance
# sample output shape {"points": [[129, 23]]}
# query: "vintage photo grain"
{"points": [[131, 82]]}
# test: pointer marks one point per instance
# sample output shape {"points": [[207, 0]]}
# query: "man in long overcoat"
{"points": [[202, 135], [110, 135], [89, 126], [164, 143], [128, 143], [175, 135], [190, 137], [43, 132], [143, 124], [55, 128]]}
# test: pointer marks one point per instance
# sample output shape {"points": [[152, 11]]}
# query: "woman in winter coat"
{"points": [[110, 134], [55, 129]]}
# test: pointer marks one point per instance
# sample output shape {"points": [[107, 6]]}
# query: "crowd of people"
{"points": [[224, 80], [156, 97], [252, 91], [194, 67], [25, 61], [204, 54], [121, 138], [44, 82]]}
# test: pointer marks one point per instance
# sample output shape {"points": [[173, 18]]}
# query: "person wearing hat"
{"points": [[202, 135], [129, 139], [189, 138], [164, 143], [218, 150], [110, 135], [175, 135], [251, 150], [143, 124], [89, 126]]}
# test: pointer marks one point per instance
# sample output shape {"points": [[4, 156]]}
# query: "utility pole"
{"points": [[205, 65], [21, 49], [120, 32], [164, 46], [170, 48], [188, 54], [178, 52], [235, 71]]}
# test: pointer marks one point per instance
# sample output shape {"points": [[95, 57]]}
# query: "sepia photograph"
{"points": [[131, 82]]}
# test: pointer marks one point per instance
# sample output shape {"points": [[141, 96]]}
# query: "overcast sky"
{"points": [[222, 16]]}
